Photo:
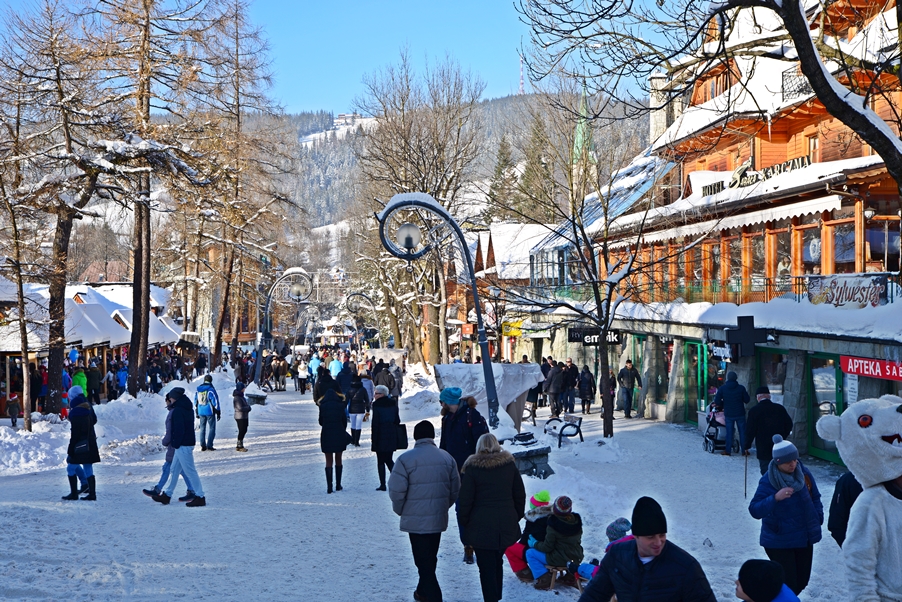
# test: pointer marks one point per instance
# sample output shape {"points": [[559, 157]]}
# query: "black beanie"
{"points": [[648, 518], [762, 390], [761, 580], [423, 430]]}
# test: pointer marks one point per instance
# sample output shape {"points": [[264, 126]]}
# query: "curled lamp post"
{"points": [[408, 238], [353, 304], [293, 286]]}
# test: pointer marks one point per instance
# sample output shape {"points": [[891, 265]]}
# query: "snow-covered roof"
{"points": [[627, 186], [121, 294], [7, 291], [90, 324], [157, 333], [510, 245]]}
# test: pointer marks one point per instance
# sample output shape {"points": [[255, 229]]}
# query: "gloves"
{"points": [[196, 415], [533, 541], [218, 415], [366, 416]]}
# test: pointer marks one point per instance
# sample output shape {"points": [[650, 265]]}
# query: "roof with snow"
{"points": [[510, 244]]}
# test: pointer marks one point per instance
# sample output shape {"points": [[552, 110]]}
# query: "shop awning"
{"points": [[827, 203]]}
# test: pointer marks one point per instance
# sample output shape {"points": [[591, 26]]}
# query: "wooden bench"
{"points": [[568, 425], [529, 412], [560, 571]]}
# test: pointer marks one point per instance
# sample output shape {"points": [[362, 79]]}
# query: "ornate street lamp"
{"points": [[293, 286], [408, 238]]}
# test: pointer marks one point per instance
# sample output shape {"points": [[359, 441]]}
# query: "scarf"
{"points": [[780, 479]]}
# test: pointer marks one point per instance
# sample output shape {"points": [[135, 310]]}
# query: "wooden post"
{"points": [[797, 242], [828, 255], [860, 235], [746, 264]]}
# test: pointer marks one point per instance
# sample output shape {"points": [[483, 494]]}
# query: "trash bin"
{"points": [[256, 399]]}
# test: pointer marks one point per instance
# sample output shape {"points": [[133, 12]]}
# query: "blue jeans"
{"points": [[740, 422], [183, 462], [536, 561], [83, 471], [205, 423], [165, 477], [570, 400], [627, 401]]}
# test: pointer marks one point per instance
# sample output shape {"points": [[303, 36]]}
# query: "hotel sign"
{"points": [[873, 368], [744, 176], [848, 292]]}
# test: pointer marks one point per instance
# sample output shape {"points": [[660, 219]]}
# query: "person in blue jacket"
{"points": [[762, 581], [207, 411], [788, 504], [122, 377], [732, 399]]}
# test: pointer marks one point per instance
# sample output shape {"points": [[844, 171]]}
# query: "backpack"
{"points": [[478, 426]]}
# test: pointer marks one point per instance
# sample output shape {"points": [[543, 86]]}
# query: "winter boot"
{"points": [[241, 447], [84, 487], [73, 489], [588, 408], [356, 437], [162, 498], [525, 575], [468, 555], [188, 496], [544, 582], [329, 479], [92, 491], [196, 502], [151, 492], [338, 477]]}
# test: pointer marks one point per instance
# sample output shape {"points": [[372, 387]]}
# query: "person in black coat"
{"points": [[82, 451], [732, 398], [586, 389], [845, 493], [766, 420], [554, 384], [492, 502], [672, 574], [324, 382], [384, 432], [628, 378], [358, 407], [345, 380], [180, 436], [242, 409], [383, 377], [334, 437]]}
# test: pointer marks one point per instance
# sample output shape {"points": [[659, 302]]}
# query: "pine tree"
{"points": [[536, 189], [503, 196]]}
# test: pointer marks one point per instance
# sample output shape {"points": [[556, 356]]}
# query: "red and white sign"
{"points": [[863, 366]]}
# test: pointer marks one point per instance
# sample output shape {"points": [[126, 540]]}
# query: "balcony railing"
{"points": [[795, 84]]}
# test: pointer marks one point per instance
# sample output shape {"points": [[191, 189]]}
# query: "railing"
{"points": [[795, 84]]}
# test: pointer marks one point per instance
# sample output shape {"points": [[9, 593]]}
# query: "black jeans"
{"points": [[242, 427], [384, 459], [796, 563], [763, 463], [491, 573], [425, 555]]}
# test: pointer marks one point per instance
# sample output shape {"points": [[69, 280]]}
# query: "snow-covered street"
{"points": [[270, 531]]}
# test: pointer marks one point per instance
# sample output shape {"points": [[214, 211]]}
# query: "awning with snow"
{"points": [[627, 186]]}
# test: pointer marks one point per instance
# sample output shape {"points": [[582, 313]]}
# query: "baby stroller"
{"points": [[715, 439]]}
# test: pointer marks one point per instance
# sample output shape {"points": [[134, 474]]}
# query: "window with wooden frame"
{"points": [[814, 149]]}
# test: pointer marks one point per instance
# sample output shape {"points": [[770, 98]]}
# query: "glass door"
{"points": [[825, 398], [696, 369]]}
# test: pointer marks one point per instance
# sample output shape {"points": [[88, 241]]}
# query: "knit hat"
{"points": [[423, 430], [450, 396], [13, 397], [732, 375], [176, 393], [648, 517], [784, 451], [239, 386], [618, 529], [208, 378], [762, 390], [542, 498], [761, 580], [75, 392], [562, 506]]}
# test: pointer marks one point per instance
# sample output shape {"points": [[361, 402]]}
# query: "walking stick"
{"points": [[745, 481]]}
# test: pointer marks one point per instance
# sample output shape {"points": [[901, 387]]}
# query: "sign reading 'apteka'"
{"points": [[874, 368]]}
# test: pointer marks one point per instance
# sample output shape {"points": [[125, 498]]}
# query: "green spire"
{"points": [[582, 138]]}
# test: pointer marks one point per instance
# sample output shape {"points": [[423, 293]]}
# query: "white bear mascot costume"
{"points": [[869, 438]]}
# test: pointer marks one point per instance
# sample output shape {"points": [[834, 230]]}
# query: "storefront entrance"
{"points": [[825, 396]]}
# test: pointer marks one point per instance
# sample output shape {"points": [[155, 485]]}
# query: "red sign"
{"points": [[864, 366], [468, 329]]}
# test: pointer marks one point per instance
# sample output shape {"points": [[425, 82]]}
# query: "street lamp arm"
{"points": [[264, 327]]}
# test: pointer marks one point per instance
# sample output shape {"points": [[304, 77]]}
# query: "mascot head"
{"points": [[869, 438]]}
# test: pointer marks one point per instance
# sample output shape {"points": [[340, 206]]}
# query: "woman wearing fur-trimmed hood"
{"points": [[492, 502]]}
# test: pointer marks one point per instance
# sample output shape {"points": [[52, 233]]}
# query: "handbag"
{"points": [[82, 447], [401, 442]]}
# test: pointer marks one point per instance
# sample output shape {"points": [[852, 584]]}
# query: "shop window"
{"points": [[882, 250], [772, 373], [814, 152], [757, 262], [811, 251], [844, 248], [715, 264]]}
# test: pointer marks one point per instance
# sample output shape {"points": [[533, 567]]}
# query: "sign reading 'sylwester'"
{"points": [[851, 292]]}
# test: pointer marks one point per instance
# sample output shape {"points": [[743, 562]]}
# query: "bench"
{"points": [[567, 425], [529, 412], [558, 572]]}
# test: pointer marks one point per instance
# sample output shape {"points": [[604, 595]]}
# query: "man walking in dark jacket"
{"points": [[182, 440], [766, 420], [571, 381], [648, 567], [732, 399], [629, 379], [423, 486]]}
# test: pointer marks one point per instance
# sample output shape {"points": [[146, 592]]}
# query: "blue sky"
{"points": [[321, 50]]}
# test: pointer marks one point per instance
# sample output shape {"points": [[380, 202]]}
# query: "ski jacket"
{"points": [[206, 401], [240, 405], [335, 367], [422, 486], [536, 524], [563, 540], [82, 420], [732, 397], [182, 423]]}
